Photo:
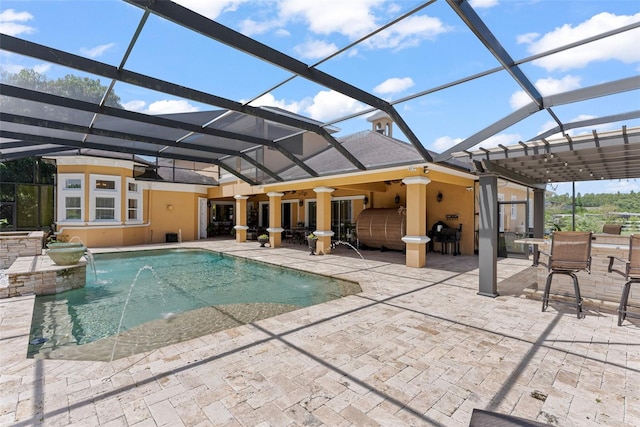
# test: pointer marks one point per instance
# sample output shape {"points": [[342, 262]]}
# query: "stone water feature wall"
{"points": [[19, 244], [40, 276]]}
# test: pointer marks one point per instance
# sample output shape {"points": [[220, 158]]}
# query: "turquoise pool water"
{"points": [[171, 291]]}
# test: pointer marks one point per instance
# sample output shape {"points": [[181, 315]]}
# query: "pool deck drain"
{"points": [[416, 347]]}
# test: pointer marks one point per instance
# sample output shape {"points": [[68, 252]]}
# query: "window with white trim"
{"points": [[134, 201], [70, 197], [105, 198]]}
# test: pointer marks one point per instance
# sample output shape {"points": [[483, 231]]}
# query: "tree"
{"points": [[70, 86]]}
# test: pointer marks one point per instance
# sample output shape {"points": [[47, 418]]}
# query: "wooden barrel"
{"points": [[381, 228]]}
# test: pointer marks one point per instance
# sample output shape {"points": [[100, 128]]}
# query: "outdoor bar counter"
{"points": [[598, 287]]}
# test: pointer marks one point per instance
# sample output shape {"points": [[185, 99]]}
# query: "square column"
{"points": [[241, 218], [488, 236], [323, 219], [275, 219], [416, 221]]}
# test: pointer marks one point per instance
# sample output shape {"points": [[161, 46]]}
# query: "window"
{"points": [[105, 198], [105, 208], [134, 201], [71, 183], [70, 197], [73, 208]]}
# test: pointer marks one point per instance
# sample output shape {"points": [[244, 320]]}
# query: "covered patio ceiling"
{"points": [[234, 134]]}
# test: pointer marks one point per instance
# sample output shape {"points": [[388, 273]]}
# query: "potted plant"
{"points": [[312, 239], [262, 239]]}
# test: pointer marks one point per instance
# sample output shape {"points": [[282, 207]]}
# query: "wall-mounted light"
{"points": [[439, 197], [169, 207], [397, 199], [365, 200], [425, 170], [300, 203], [469, 188]]}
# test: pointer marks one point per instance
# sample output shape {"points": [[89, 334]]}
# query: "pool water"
{"points": [[170, 295]]}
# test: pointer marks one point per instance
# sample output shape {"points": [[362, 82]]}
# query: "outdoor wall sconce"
{"points": [[397, 199], [169, 207], [365, 200], [439, 197], [469, 188], [425, 170], [300, 203]]}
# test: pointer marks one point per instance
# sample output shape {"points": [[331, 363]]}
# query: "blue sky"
{"points": [[431, 48]]}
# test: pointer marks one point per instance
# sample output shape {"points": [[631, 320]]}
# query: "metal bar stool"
{"points": [[570, 253], [631, 273]]}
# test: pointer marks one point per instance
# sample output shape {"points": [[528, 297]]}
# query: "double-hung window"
{"points": [[71, 197], [105, 198], [134, 201]]}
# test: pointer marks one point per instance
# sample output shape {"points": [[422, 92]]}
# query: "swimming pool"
{"points": [[170, 295]]}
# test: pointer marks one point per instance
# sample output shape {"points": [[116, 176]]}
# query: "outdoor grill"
{"points": [[448, 237]]}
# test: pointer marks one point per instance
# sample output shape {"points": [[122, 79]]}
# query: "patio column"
{"points": [[323, 219], [488, 236], [416, 221], [275, 219], [241, 218]]}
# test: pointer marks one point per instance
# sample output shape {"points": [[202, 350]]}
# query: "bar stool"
{"points": [[631, 273], [570, 253]]}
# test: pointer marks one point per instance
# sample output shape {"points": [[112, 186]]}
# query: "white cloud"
{"points": [[94, 52], [394, 85], [135, 105], [250, 27], [270, 101], [444, 143], [315, 49], [327, 105], [622, 186], [546, 87], [622, 47], [41, 68], [166, 106], [11, 22], [483, 4], [527, 38], [408, 32], [211, 9], [352, 18]]}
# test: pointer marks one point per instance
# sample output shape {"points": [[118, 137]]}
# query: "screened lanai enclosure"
{"points": [[192, 87]]}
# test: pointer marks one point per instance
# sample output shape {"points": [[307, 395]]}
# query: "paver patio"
{"points": [[416, 347]]}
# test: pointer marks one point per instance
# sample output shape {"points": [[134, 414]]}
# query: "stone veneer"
{"points": [[19, 244], [40, 276], [599, 287]]}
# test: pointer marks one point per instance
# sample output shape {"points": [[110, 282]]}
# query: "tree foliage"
{"points": [[81, 88]]}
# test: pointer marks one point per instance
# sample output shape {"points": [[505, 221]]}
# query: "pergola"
{"points": [[233, 133]]}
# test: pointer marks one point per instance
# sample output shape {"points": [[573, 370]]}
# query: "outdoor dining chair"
{"points": [[570, 253], [612, 228], [631, 273]]}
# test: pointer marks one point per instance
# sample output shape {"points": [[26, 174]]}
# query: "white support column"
{"points": [[323, 219], [241, 218], [275, 219], [416, 221]]}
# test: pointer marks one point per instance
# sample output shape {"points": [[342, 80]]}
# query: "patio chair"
{"points": [[570, 253], [612, 229], [631, 273]]}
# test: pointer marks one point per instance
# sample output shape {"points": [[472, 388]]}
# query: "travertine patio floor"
{"points": [[416, 347]]}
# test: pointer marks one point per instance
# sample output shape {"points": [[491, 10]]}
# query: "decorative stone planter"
{"points": [[262, 241]]}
